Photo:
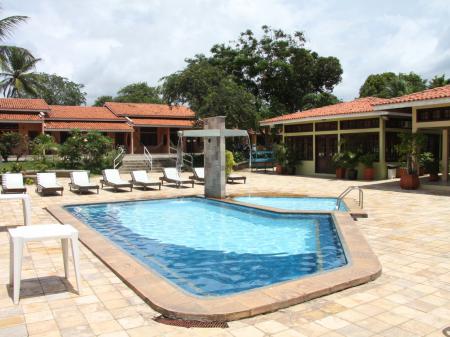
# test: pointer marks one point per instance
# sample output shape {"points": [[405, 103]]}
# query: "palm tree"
{"points": [[6, 26], [16, 63], [17, 76]]}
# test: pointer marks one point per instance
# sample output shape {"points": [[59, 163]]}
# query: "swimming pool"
{"points": [[295, 203], [212, 248]]}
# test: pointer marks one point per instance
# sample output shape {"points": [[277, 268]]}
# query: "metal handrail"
{"points": [[148, 158], [347, 191], [118, 159]]}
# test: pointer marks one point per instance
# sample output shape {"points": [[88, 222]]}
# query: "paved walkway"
{"points": [[409, 231]]}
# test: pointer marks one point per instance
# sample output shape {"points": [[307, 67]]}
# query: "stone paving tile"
{"points": [[408, 231]]}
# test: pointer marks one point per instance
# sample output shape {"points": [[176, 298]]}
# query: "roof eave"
{"points": [[323, 118], [410, 104]]}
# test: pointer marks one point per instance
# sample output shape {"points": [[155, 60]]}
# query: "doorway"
{"points": [[326, 147]]}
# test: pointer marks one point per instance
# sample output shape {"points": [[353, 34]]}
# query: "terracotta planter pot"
{"points": [[434, 177], [410, 182], [369, 173], [401, 171], [278, 169], [340, 173]]}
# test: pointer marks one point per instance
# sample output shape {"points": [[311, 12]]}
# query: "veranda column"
{"points": [[445, 149], [382, 149], [132, 141], [168, 139]]}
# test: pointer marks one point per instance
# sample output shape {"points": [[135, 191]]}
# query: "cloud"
{"points": [[106, 44]]}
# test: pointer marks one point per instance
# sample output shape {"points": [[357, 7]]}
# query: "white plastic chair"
{"points": [[19, 236]]}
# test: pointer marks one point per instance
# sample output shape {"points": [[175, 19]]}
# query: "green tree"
{"points": [[276, 68], [278, 73], [57, 90], [317, 100], [138, 93], [101, 100], [389, 84], [17, 76], [12, 143], [438, 81], [209, 91]]}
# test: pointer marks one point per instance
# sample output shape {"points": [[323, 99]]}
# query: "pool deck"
{"points": [[408, 231]]}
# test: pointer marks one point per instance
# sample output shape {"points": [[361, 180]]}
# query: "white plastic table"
{"points": [[19, 236]]}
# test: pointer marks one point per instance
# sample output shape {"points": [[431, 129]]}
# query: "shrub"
{"points": [[409, 149], [43, 145], [90, 150], [13, 143], [29, 181], [229, 162], [280, 154]]}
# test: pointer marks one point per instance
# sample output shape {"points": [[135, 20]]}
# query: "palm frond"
{"points": [[9, 23]]}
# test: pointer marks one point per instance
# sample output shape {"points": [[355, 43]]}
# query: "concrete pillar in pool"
{"points": [[214, 149]]}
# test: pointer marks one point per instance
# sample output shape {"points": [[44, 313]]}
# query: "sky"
{"points": [[107, 44]]}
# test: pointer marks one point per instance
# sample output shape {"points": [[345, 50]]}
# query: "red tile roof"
{"points": [[20, 117], [435, 93], [81, 112], [84, 126], [163, 122], [23, 104], [359, 105], [149, 110]]}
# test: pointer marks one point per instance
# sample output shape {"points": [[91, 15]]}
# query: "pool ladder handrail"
{"points": [[347, 191]]}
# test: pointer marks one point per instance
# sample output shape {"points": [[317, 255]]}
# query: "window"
{"points": [[9, 127], [326, 126], [392, 140], [361, 142], [33, 134], [174, 136], [433, 114], [298, 128], [399, 123], [63, 136], [360, 124], [149, 136], [302, 145]]}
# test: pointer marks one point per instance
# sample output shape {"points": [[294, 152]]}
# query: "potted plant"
{"points": [[280, 156], [351, 162], [409, 148], [339, 161], [367, 160], [431, 166], [292, 160]]}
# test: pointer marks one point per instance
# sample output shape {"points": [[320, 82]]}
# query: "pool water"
{"points": [[295, 203], [212, 248]]}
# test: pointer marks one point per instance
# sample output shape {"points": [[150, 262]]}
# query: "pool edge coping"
{"points": [[166, 298]]}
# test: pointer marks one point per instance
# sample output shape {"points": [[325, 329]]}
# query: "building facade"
{"points": [[430, 115], [131, 125], [370, 125]]}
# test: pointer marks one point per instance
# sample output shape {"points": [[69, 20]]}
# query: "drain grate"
{"points": [[190, 324]]}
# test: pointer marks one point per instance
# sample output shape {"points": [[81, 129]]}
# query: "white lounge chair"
{"points": [[140, 178], [46, 183], [232, 178], [111, 177], [171, 175], [13, 183], [199, 174], [79, 181]]}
